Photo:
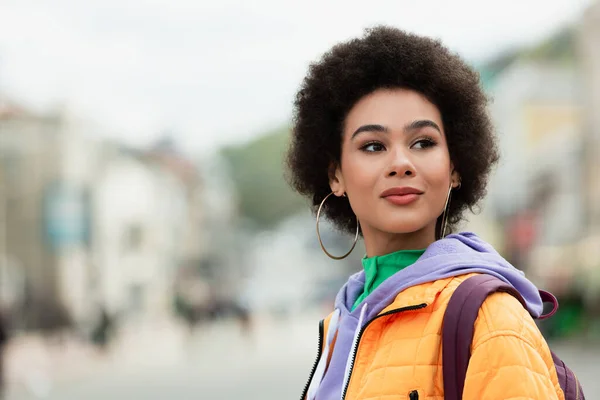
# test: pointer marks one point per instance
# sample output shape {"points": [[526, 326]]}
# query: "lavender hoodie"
{"points": [[456, 254]]}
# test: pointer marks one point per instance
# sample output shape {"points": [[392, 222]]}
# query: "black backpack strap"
{"points": [[459, 325]]}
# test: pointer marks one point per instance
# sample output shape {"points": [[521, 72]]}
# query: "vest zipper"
{"points": [[414, 395], [362, 330], [314, 368]]}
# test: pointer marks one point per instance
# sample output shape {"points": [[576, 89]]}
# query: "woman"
{"points": [[392, 141]]}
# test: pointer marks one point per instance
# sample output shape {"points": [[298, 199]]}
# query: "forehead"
{"points": [[393, 108]]}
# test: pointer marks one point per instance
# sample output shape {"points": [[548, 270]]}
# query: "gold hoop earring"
{"points": [[321, 241], [445, 214]]}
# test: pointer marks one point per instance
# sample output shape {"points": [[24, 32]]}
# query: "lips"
{"points": [[400, 191], [401, 196]]}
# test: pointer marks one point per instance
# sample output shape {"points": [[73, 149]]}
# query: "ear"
{"points": [[455, 178], [336, 180]]}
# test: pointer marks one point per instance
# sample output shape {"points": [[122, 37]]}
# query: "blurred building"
{"points": [[537, 192], [226, 243], [139, 216], [291, 273], [192, 242], [546, 190], [589, 56], [89, 224], [589, 60], [536, 111], [44, 208]]}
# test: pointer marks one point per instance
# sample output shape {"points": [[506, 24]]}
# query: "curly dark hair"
{"points": [[386, 58]]}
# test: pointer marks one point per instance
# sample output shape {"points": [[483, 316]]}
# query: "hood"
{"points": [[456, 254]]}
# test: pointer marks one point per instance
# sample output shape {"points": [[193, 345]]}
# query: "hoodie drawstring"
{"points": [[322, 365], [351, 356], [320, 371]]}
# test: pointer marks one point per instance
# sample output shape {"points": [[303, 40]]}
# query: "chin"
{"points": [[404, 227]]}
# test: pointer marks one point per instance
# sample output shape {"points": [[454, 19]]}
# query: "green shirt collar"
{"points": [[379, 268]]}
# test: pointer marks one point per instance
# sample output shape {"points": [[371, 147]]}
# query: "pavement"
{"points": [[164, 361]]}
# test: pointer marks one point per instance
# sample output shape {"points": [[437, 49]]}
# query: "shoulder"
{"points": [[509, 355], [502, 315]]}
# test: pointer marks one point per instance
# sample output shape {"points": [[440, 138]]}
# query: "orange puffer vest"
{"points": [[399, 353]]}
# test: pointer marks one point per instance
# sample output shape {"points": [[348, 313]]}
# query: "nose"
{"points": [[400, 164]]}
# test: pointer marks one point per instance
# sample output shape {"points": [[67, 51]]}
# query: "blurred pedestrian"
{"points": [[104, 330], [243, 315], [3, 343], [392, 142]]}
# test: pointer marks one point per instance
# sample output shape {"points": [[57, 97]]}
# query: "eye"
{"points": [[424, 143], [373, 147]]}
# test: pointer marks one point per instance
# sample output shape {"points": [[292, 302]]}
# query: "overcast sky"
{"points": [[221, 71]]}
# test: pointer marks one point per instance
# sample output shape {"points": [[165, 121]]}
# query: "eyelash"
{"points": [[430, 142]]}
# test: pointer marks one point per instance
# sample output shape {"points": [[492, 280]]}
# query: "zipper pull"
{"points": [[414, 395]]}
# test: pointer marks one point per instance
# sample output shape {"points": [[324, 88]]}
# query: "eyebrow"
{"points": [[413, 126]]}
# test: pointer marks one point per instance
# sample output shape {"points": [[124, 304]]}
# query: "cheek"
{"points": [[438, 171], [437, 176], [359, 173]]}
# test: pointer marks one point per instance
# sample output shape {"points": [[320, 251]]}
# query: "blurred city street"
{"points": [[217, 363], [151, 246], [221, 363]]}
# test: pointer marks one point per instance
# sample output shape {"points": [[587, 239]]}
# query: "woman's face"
{"points": [[395, 166]]}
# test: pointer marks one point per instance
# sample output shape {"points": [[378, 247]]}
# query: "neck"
{"points": [[378, 243]]}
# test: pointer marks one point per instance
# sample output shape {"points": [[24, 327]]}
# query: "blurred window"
{"points": [[136, 299], [10, 167], [134, 238]]}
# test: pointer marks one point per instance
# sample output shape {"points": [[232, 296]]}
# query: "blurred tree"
{"points": [[493, 67], [560, 47], [257, 169]]}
